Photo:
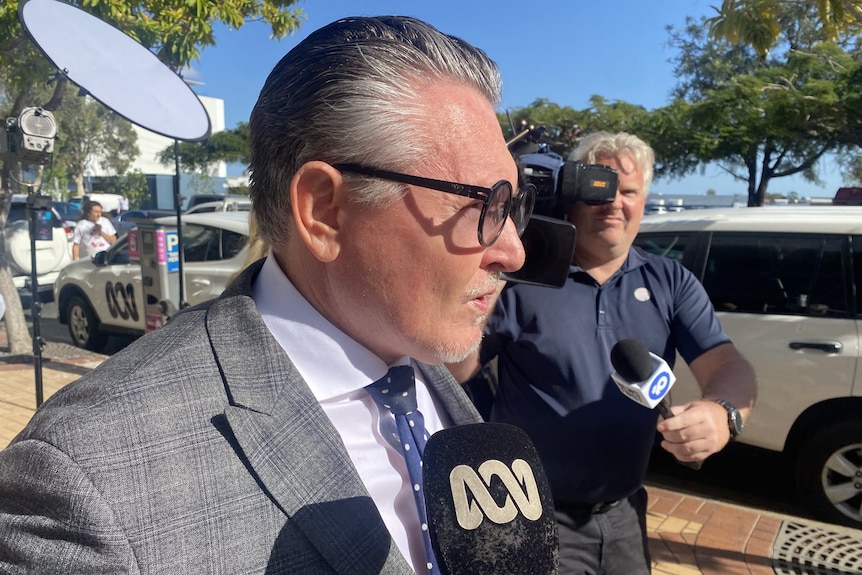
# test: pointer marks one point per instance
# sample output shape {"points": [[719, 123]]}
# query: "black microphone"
{"points": [[644, 377], [488, 502]]}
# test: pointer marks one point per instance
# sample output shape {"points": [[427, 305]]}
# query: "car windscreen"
{"points": [[18, 213]]}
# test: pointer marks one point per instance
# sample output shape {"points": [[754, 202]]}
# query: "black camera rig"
{"points": [[549, 240], [562, 182]]}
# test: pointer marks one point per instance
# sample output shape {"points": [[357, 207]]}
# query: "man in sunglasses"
{"points": [[553, 348], [239, 438]]}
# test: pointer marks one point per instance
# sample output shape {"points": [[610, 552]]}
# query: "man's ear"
{"points": [[316, 195]]}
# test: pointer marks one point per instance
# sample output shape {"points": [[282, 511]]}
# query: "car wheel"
{"points": [[829, 473], [84, 327]]}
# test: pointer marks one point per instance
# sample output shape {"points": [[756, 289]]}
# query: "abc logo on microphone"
{"points": [[473, 501], [488, 501]]}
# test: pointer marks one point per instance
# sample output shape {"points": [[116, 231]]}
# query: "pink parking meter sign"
{"points": [[134, 246], [161, 255]]}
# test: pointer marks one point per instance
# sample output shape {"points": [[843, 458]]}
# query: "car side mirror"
{"points": [[100, 258]]}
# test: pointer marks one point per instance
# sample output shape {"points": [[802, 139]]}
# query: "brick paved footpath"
{"points": [[688, 535]]}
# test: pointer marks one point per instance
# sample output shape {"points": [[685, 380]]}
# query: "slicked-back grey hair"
{"points": [[606, 145], [351, 92]]}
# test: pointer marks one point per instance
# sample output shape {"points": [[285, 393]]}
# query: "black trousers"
{"points": [[613, 542]]}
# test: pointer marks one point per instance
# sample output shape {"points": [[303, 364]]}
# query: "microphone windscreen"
{"points": [[488, 502], [631, 359]]}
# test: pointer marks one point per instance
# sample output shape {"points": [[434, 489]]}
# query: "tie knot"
{"points": [[396, 390]]}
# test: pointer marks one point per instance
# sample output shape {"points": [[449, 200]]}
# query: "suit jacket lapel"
{"points": [[289, 443], [449, 394]]}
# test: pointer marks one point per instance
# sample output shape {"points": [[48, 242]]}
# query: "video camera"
{"points": [[562, 182], [549, 241]]}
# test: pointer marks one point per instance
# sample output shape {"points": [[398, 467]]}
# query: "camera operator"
{"points": [[553, 350]]}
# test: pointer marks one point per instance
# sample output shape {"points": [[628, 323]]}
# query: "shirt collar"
{"points": [[634, 260], [331, 362]]}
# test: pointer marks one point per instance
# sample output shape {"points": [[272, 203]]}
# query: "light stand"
{"points": [[182, 304], [125, 77], [37, 205], [29, 139]]}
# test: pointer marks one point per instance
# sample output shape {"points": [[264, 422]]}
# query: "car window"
{"points": [[124, 217], [237, 207], [232, 243], [777, 274], [18, 213], [857, 271], [200, 244], [68, 211], [669, 245], [119, 253]]}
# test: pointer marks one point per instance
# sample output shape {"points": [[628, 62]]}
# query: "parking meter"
{"points": [[156, 248]]}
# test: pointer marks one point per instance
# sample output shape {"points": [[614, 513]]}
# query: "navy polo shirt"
{"points": [[553, 348]]}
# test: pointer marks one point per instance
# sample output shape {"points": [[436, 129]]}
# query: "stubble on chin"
{"points": [[452, 354], [448, 351]]}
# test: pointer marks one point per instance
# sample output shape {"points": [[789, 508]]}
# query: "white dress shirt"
{"points": [[337, 368]]}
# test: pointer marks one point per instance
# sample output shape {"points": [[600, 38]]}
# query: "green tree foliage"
{"points": [[88, 131], [561, 123], [175, 30], [132, 184], [225, 146], [564, 126], [757, 118], [760, 23]]}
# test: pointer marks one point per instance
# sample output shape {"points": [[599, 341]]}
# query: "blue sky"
{"points": [[562, 50]]}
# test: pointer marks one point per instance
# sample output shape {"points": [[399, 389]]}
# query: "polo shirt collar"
{"points": [[634, 260]]}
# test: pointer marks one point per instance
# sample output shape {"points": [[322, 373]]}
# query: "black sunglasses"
{"points": [[498, 201]]}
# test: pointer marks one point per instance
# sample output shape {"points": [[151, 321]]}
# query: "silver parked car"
{"points": [[787, 285], [233, 205], [104, 295]]}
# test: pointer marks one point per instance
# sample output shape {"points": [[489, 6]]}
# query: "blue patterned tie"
{"points": [[396, 391]]}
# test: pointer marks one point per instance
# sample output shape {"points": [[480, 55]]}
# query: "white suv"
{"points": [[53, 251], [787, 285]]}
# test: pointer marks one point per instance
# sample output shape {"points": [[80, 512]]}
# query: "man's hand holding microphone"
{"points": [[647, 379]]}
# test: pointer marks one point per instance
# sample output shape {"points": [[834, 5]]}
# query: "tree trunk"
{"points": [[17, 334], [754, 200], [79, 183]]}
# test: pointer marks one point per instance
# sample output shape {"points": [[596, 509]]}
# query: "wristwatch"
{"points": [[734, 419]]}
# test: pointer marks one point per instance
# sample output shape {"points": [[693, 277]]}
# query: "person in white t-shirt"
{"points": [[124, 204], [94, 233]]}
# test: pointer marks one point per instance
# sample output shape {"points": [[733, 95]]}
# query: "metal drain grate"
{"points": [[801, 549]]}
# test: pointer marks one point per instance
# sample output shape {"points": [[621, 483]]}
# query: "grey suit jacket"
{"points": [[198, 449]]}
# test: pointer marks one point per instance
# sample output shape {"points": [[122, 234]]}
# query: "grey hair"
{"points": [[352, 93], [606, 145]]}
